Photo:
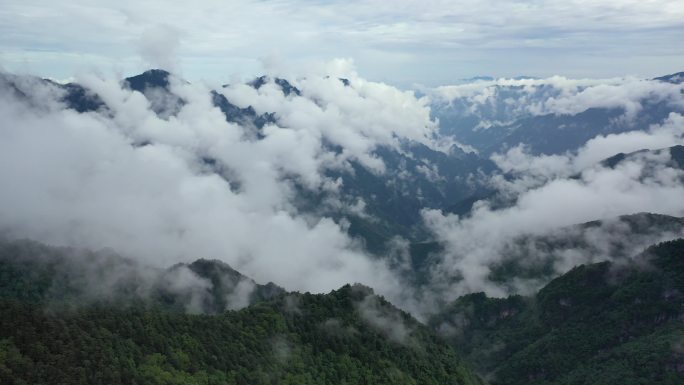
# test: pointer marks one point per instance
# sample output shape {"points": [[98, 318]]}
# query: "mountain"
{"points": [[49, 335], [558, 133], [603, 323], [532, 259], [651, 160], [155, 84], [676, 157], [35, 273], [74, 316], [616, 238], [73, 95], [80, 99], [416, 175], [150, 79], [494, 116], [676, 78], [229, 288], [283, 84]]}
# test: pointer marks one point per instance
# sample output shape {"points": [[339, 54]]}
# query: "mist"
{"points": [[164, 180], [551, 194], [130, 180]]}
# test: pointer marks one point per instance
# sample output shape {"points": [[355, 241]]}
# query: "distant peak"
{"points": [[675, 78], [478, 78], [153, 73], [150, 78], [284, 85], [156, 71]]}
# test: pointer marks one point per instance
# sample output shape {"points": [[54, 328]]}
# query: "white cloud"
{"points": [[385, 320], [549, 200], [627, 96], [544, 167], [557, 95], [407, 41], [84, 179], [159, 45], [358, 118]]}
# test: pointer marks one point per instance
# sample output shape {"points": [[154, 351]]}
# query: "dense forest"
{"points": [[604, 323], [53, 330], [70, 316]]}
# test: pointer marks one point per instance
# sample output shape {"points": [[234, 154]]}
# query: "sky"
{"points": [[404, 43]]}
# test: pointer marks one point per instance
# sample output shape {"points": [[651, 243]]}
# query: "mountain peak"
{"points": [[284, 85], [149, 78], [675, 78]]}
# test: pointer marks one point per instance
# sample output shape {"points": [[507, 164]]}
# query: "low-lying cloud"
{"points": [[173, 187], [515, 98], [128, 179], [551, 193], [532, 171]]}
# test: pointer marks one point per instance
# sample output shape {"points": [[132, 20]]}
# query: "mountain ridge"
{"points": [[349, 335], [603, 323]]}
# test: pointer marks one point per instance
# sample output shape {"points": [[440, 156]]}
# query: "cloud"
{"points": [[337, 114], [627, 96], [396, 41], [387, 321], [531, 171], [158, 46], [127, 179], [190, 185], [512, 99], [480, 91], [552, 193], [180, 281], [240, 297]]}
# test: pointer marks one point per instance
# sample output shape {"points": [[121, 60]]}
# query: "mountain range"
{"points": [[600, 323], [493, 116], [603, 323], [70, 316], [505, 285]]}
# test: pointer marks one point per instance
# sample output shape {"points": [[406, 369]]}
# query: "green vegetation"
{"points": [[51, 333], [598, 324], [70, 317]]}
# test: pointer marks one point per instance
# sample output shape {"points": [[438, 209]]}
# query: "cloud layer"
{"points": [[516, 98], [187, 184], [551, 193], [430, 42], [139, 183]]}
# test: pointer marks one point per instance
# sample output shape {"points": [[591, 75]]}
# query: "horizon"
{"points": [[479, 79]]}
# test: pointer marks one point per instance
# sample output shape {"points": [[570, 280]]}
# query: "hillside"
{"points": [[550, 116], [603, 323], [50, 335], [540, 257]]}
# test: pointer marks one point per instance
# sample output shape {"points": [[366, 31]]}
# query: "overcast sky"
{"points": [[403, 42]]}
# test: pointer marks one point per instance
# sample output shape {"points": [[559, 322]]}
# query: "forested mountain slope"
{"points": [[604, 323], [53, 332]]}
